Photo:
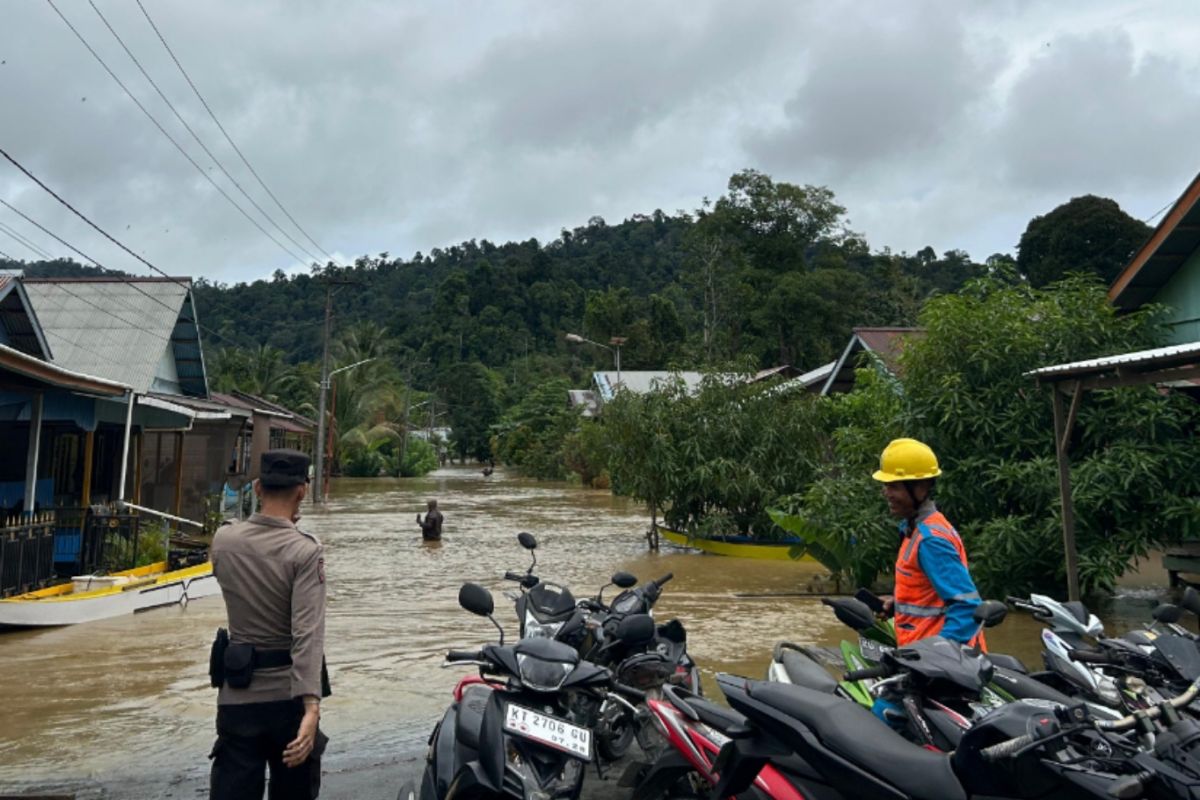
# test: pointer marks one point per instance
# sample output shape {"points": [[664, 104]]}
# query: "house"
{"points": [[1166, 269], [887, 343]]}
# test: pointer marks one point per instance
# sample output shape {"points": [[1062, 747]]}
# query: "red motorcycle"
{"points": [[695, 730]]}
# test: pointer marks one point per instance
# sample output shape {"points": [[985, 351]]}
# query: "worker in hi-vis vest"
{"points": [[934, 593]]}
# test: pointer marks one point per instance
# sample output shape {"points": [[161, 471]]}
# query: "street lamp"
{"points": [[616, 343], [318, 496]]}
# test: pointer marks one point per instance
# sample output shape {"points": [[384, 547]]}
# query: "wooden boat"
{"points": [[790, 549], [87, 598]]}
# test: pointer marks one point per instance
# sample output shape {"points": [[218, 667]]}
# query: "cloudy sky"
{"points": [[403, 126]]}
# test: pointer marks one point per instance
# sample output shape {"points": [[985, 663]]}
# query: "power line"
{"points": [[33, 248], [196, 136], [228, 138], [124, 278], [170, 138], [6, 256], [181, 282]]}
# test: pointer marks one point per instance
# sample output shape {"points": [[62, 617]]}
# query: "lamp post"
{"points": [[319, 466], [615, 349]]}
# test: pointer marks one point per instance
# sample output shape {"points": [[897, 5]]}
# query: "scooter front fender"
{"points": [[471, 782]]}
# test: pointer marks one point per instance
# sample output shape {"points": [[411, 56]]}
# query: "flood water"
{"points": [[130, 696]]}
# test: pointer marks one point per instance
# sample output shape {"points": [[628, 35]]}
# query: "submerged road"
{"points": [[122, 707]]}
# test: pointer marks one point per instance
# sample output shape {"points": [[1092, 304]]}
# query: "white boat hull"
{"points": [[169, 590]]}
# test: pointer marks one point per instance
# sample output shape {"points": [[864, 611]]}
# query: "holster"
{"points": [[216, 658], [239, 664]]}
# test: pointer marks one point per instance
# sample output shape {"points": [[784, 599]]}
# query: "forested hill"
{"points": [[767, 274]]}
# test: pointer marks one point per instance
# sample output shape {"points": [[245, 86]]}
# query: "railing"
{"points": [[26, 553]]}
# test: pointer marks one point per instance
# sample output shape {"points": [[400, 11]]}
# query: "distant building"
{"points": [[886, 343]]}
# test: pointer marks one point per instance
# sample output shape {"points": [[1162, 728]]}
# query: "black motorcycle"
{"points": [[524, 727], [607, 634], [1026, 749]]}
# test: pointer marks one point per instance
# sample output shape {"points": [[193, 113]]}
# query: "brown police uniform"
{"points": [[272, 576]]}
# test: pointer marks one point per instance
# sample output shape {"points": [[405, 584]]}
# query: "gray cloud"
{"points": [[402, 127], [878, 87]]}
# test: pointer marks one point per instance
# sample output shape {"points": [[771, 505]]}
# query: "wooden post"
{"points": [[176, 506], [1062, 441], [89, 443]]}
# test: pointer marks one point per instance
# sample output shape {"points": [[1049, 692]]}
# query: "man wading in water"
{"points": [[431, 526]]}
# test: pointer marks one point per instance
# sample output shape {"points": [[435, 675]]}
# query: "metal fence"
{"points": [[26, 554]]}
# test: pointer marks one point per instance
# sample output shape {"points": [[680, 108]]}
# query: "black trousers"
{"points": [[252, 737]]}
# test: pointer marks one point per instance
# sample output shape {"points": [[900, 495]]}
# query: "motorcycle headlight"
{"points": [[543, 676], [540, 630]]}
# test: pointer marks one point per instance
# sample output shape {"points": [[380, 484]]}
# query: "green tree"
{"points": [[471, 391], [1087, 234]]}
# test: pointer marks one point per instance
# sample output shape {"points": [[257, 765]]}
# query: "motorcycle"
{"points": [[594, 628], [827, 748], [522, 728], [1134, 671], [1010, 679]]}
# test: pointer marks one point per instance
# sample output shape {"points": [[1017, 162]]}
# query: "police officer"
{"points": [[272, 576]]}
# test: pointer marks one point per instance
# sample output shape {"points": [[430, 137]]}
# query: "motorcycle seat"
{"points": [[857, 735], [469, 720], [803, 671], [694, 707]]}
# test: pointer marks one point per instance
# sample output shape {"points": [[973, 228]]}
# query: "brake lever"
{"points": [[878, 686]]}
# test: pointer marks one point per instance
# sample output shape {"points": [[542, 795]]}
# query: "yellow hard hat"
{"points": [[906, 460]]}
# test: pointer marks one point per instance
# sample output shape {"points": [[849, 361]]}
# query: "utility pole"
{"points": [[318, 494]]}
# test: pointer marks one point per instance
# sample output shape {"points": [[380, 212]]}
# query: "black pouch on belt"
{"points": [[216, 659], [239, 664]]}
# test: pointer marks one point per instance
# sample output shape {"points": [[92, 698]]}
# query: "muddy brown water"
{"points": [[130, 696]]}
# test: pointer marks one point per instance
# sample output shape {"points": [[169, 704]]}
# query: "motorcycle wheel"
{"points": [[615, 736], [408, 791]]}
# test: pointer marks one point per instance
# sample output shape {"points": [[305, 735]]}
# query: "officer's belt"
{"points": [[269, 659]]}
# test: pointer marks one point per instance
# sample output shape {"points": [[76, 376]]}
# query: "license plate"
{"points": [[550, 731]]}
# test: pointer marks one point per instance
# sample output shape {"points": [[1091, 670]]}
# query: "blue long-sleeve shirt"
{"points": [[940, 562]]}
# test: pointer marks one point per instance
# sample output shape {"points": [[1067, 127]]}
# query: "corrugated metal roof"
{"points": [[1174, 355], [642, 381], [133, 331]]}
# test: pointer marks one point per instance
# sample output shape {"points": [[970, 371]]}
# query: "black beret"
{"points": [[283, 468]]}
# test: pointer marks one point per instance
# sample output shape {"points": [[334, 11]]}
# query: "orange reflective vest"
{"points": [[920, 611]]}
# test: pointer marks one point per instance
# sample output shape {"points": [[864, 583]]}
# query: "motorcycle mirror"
{"points": [[624, 580], [990, 613], [1167, 613], [476, 599], [527, 540], [1191, 600], [851, 612], [636, 628]]}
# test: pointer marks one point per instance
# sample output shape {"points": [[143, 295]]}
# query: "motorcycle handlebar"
{"points": [[1125, 723], [1008, 748], [1092, 657], [628, 691], [514, 576], [663, 580], [464, 655], [868, 672]]}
